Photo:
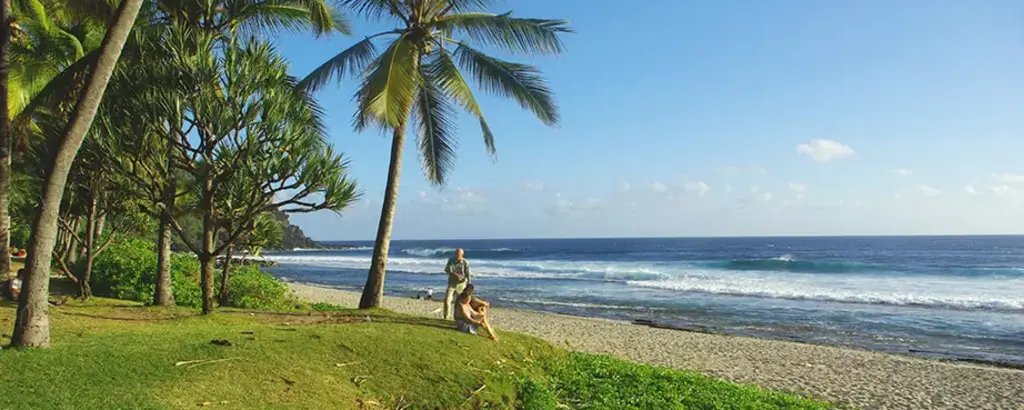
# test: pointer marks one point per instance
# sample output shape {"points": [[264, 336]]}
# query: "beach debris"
{"points": [[197, 363], [221, 342], [474, 393], [359, 380], [349, 363], [364, 403]]}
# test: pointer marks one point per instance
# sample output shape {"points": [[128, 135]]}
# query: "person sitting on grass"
{"points": [[471, 312], [14, 285]]}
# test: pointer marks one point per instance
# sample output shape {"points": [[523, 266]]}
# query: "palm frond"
{"points": [[378, 9], [436, 136], [522, 82], [518, 35], [386, 94], [353, 60], [450, 80], [253, 17], [463, 6]]}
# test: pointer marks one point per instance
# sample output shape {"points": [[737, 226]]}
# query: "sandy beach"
{"points": [[865, 379]]}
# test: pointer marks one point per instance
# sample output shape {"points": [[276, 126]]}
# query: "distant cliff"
{"points": [[293, 235]]}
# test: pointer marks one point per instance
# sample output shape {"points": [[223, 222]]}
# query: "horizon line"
{"points": [[694, 237]]}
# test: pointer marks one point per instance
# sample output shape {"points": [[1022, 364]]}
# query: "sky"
{"points": [[726, 118]]}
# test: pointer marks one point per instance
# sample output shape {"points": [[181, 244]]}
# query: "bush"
{"points": [[603, 382], [127, 270], [534, 395], [326, 307], [251, 288]]}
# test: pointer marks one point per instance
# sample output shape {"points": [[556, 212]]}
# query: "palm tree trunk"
{"points": [[206, 258], [373, 292], [5, 141], [224, 276], [164, 295], [32, 325]]}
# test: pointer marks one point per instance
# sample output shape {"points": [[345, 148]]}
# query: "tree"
{"points": [[32, 325], [262, 231], [417, 78], [249, 139]]}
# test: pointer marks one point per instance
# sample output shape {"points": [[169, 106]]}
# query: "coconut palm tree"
{"points": [[32, 325], [419, 77]]}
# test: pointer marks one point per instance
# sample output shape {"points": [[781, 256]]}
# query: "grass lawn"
{"points": [[110, 354]]}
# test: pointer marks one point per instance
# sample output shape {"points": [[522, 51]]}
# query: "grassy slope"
{"points": [[115, 354]]}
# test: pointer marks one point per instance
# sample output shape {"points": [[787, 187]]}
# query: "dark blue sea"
{"points": [[944, 297]]}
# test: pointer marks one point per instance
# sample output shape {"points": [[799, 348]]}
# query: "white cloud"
{"points": [[469, 195], [626, 187], [1010, 178], [728, 188], [659, 187], [903, 172], [536, 186], [767, 196], [971, 190], [1004, 191], [700, 188], [927, 190], [741, 169], [797, 187], [755, 189], [422, 194], [825, 150]]}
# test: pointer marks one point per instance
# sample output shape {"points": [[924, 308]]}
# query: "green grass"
{"points": [[112, 354]]}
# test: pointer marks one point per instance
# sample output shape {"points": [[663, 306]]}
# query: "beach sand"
{"points": [[870, 380]]}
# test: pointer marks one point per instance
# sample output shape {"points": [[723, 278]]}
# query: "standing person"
{"points": [[458, 277]]}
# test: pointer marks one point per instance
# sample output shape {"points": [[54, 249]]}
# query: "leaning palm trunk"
{"points": [[32, 326], [373, 292], [5, 141]]}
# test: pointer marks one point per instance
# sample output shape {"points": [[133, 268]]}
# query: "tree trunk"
{"points": [[32, 325], [207, 258], [101, 222], [90, 247], [164, 295], [5, 141], [224, 276], [373, 292], [73, 245]]}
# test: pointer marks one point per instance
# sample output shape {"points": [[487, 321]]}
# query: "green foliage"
{"points": [[251, 288], [535, 395], [127, 270], [326, 307], [588, 381], [417, 80]]}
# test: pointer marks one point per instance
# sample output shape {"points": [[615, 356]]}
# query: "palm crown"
{"points": [[419, 75]]}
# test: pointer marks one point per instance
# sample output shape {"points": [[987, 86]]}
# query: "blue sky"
{"points": [[725, 118]]}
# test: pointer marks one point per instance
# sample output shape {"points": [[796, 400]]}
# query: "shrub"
{"points": [[326, 307], [127, 270], [251, 288], [535, 395], [603, 382]]}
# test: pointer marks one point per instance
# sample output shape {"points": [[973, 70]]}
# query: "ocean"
{"points": [[944, 297]]}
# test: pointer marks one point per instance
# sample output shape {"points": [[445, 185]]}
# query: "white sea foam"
{"points": [[938, 291]]}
